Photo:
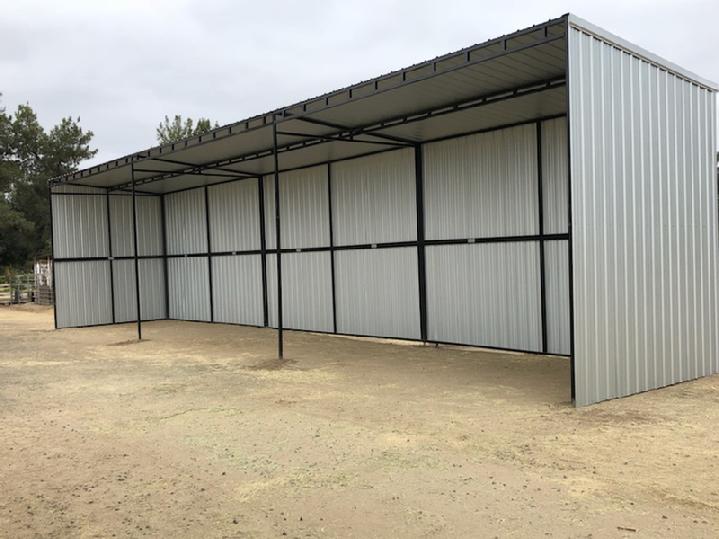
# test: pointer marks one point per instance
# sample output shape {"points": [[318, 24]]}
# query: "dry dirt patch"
{"points": [[199, 431]]}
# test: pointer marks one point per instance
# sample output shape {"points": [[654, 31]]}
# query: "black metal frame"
{"points": [[135, 255], [278, 243], [570, 253], [330, 220], [109, 252], [420, 243], [542, 269], [348, 135]]}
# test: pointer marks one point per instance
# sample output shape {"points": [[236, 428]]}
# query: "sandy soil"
{"points": [[198, 432]]}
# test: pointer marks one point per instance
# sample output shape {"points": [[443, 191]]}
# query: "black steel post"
{"points": [[570, 259], [278, 251], [209, 253], [134, 252], [52, 252], [542, 269], [421, 273], [263, 248], [109, 255], [164, 256], [332, 246]]}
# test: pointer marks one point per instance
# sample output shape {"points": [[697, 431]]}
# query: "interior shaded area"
{"points": [[429, 204]]}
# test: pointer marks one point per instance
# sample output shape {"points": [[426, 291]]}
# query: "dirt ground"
{"points": [[198, 432]]}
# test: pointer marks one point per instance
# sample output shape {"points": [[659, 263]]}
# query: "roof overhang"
{"points": [[516, 78]]}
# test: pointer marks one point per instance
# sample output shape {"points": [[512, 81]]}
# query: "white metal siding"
{"points": [[189, 288], [485, 294], [556, 279], [79, 226], [644, 213], [306, 291], [149, 225], [234, 216], [377, 292], [373, 199], [152, 289], [237, 289], [186, 225], [554, 175], [482, 185], [82, 292], [304, 211]]}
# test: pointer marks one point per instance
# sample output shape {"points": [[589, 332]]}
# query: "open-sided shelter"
{"points": [[550, 191]]}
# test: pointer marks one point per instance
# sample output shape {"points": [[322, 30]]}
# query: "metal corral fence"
{"points": [[29, 287]]}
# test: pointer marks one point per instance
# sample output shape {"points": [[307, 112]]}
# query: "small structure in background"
{"points": [[43, 282], [18, 288], [28, 287]]}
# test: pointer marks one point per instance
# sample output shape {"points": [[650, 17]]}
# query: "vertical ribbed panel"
{"points": [[373, 199], [234, 216], [303, 206], [485, 294], [152, 289], [82, 291], [149, 225], [306, 291], [189, 288], [79, 226], [377, 292], [644, 213], [186, 224], [556, 279], [482, 185], [554, 175], [237, 289]]}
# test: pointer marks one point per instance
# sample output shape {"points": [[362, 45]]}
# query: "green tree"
{"points": [[29, 156], [178, 129]]}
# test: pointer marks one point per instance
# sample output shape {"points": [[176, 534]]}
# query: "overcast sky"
{"points": [[121, 66]]}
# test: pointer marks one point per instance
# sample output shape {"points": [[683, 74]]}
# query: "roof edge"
{"points": [[605, 35]]}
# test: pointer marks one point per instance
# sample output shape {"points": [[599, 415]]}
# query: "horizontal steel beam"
{"points": [[341, 138]]}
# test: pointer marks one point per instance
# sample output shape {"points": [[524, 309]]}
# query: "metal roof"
{"points": [[507, 80]]}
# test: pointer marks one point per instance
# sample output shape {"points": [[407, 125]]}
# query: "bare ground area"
{"points": [[198, 432]]}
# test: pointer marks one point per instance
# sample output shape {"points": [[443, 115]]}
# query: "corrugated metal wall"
{"points": [[149, 226], [477, 186], [556, 279], [303, 206], [556, 262], [152, 289], [373, 199], [486, 186], [644, 215], [485, 294], [377, 292], [234, 216], [482, 185], [79, 226], [80, 231], [186, 224], [83, 294], [189, 288], [554, 175], [306, 291], [237, 289]]}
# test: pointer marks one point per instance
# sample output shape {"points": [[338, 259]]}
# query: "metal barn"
{"points": [[551, 191]]}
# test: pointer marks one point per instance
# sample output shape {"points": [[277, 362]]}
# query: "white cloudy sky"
{"points": [[122, 65]]}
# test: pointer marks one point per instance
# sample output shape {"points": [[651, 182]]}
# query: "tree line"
{"points": [[29, 156]]}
